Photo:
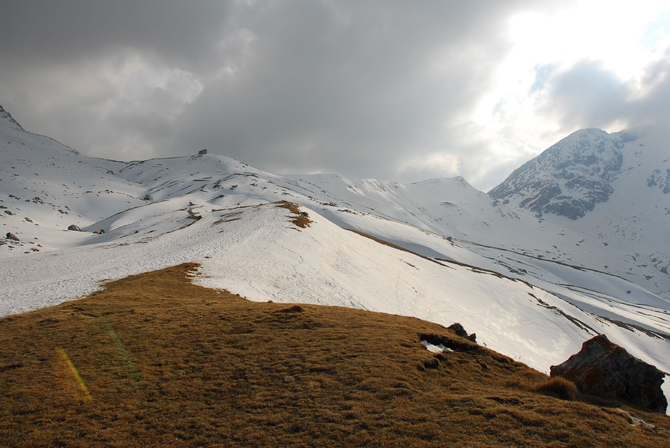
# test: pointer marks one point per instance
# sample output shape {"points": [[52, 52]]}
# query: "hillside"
{"points": [[153, 360], [532, 289]]}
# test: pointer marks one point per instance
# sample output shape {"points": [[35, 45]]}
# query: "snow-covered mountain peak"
{"points": [[7, 120], [569, 178]]}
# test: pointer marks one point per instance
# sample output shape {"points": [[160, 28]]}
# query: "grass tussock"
{"points": [[558, 387], [300, 219], [154, 360]]}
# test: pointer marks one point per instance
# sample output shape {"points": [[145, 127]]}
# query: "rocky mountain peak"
{"points": [[569, 178]]}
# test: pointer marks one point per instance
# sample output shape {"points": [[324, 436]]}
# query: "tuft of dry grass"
{"points": [[154, 360], [558, 387], [300, 219]]}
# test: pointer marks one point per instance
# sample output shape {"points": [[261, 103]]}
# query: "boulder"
{"points": [[606, 370], [74, 227], [11, 236], [460, 331]]}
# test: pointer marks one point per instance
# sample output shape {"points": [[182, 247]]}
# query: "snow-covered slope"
{"points": [[221, 213], [45, 187], [609, 190], [256, 251]]}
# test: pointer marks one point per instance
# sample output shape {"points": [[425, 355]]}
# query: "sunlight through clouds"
{"points": [[518, 117]]}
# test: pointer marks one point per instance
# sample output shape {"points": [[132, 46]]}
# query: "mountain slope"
{"points": [[223, 214], [613, 190], [153, 360], [569, 178]]}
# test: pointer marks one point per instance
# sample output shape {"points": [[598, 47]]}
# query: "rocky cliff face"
{"points": [[660, 180], [569, 178]]}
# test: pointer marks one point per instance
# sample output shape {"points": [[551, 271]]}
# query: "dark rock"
{"points": [[605, 369], [11, 236], [305, 214], [460, 331], [74, 227], [8, 212]]}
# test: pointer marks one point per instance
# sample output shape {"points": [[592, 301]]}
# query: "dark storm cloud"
{"points": [[44, 32], [361, 88], [352, 87]]}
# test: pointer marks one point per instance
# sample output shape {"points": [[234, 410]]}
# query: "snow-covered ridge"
{"points": [[7, 120]]}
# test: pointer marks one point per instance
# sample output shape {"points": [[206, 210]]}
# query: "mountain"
{"points": [[569, 178], [533, 289], [610, 188]]}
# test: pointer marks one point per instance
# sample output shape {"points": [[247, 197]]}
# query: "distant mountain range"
{"points": [[574, 243]]}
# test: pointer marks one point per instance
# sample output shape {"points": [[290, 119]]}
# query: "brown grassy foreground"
{"points": [[155, 361]]}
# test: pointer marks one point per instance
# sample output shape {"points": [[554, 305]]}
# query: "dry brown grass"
{"points": [[299, 219], [560, 388], [163, 362]]}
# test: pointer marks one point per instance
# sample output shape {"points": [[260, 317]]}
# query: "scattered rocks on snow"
{"points": [[74, 227], [460, 331], [11, 236], [605, 369]]}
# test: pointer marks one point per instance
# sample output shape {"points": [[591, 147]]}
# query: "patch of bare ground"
{"points": [[229, 217], [154, 360], [300, 219]]}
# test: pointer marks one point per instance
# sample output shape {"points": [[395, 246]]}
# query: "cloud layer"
{"points": [[392, 90]]}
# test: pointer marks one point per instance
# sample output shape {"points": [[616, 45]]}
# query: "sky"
{"points": [[392, 90]]}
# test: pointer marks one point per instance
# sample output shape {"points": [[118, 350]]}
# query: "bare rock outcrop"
{"points": [[604, 369], [11, 236], [74, 228], [460, 331]]}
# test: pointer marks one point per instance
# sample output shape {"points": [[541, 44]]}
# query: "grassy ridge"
{"points": [[154, 360]]}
